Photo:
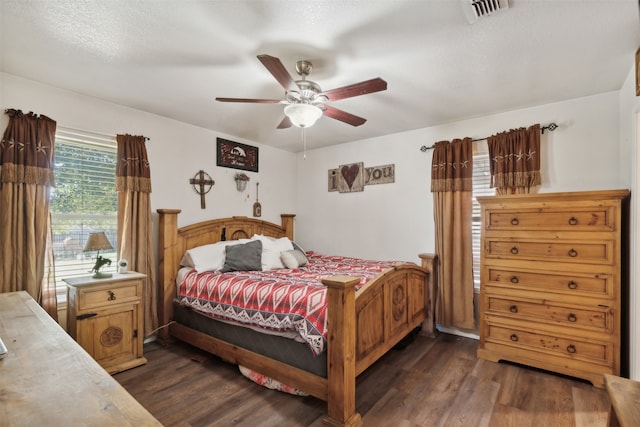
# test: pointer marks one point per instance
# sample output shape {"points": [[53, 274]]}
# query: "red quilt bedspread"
{"points": [[278, 300]]}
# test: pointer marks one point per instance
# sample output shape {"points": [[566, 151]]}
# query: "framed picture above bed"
{"points": [[235, 155]]}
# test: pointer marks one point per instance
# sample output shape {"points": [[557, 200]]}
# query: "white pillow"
{"points": [[271, 249], [208, 257], [293, 258]]}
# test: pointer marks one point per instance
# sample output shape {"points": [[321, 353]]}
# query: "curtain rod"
{"points": [[92, 133], [550, 126]]}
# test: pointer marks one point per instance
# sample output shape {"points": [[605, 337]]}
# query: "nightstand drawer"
{"points": [[105, 296]]}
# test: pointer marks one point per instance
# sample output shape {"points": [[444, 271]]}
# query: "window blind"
{"points": [[83, 201], [481, 187]]}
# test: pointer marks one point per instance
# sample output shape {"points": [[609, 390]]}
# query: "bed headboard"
{"points": [[174, 241]]}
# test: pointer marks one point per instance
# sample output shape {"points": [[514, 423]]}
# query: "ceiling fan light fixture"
{"points": [[304, 100], [303, 115]]}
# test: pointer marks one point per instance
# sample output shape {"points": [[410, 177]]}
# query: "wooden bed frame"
{"points": [[362, 326]]}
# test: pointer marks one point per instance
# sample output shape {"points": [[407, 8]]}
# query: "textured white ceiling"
{"points": [[172, 58]]}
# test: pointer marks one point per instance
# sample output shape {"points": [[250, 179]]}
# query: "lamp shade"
{"points": [[97, 242], [303, 115]]}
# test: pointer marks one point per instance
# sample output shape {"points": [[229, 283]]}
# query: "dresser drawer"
{"points": [[573, 347], [104, 296], [579, 317], [592, 252], [597, 218], [578, 283]]}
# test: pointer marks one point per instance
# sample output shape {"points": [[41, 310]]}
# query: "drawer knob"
{"points": [[514, 221], [572, 285], [572, 317], [513, 309], [573, 221], [111, 297], [571, 349], [514, 337], [514, 250], [514, 279], [573, 253]]}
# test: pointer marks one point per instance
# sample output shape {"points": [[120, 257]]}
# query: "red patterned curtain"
{"points": [[26, 179], [451, 185], [133, 183], [515, 160]]}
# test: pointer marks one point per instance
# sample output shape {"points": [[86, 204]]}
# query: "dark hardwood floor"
{"points": [[433, 382]]}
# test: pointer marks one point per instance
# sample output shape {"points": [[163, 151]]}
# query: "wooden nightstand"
{"points": [[105, 316]]}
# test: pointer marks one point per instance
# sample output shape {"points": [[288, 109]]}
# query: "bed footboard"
{"points": [[365, 325]]}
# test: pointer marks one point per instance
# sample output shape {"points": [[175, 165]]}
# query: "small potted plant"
{"points": [[241, 180]]}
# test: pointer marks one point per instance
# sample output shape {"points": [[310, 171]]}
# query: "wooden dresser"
{"points": [[47, 379], [551, 273]]}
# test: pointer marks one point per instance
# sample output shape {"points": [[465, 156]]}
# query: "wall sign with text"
{"points": [[237, 156], [354, 176]]}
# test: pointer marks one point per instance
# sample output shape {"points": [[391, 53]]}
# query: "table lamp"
{"points": [[97, 242]]}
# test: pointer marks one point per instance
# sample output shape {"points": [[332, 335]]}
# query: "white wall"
{"points": [[395, 221], [630, 155], [177, 151]]}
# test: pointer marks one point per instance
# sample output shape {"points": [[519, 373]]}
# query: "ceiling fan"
{"points": [[304, 101]]}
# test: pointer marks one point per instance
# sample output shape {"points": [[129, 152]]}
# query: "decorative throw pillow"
{"points": [[243, 257], [293, 258]]}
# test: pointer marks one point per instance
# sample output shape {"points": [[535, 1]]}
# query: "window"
{"points": [[83, 201], [481, 187]]}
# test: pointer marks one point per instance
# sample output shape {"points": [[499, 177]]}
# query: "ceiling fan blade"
{"points": [[356, 89], [278, 71], [343, 116], [258, 101], [285, 123]]}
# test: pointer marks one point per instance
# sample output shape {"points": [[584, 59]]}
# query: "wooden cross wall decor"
{"points": [[202, 180]]}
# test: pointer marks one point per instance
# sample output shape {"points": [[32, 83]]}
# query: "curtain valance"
{"points": [[452, 166], [26, 149], [515, 159], [132, 171]]}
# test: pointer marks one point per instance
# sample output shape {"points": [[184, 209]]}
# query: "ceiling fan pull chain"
{"points": [[304, 143]]}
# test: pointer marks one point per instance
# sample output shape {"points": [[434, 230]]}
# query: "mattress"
{"points": [[286, 350]]}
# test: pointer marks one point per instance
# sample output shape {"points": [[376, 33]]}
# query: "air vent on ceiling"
{"points": [[476, 9]]}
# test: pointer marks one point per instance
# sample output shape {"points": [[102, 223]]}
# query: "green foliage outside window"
{"points": [[85, 180]]}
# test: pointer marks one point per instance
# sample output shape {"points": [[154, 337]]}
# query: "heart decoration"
{"points": [[350, 173]]}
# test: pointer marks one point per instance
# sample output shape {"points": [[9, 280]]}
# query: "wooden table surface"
{"points": [[625, 400], [48, 379]]}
